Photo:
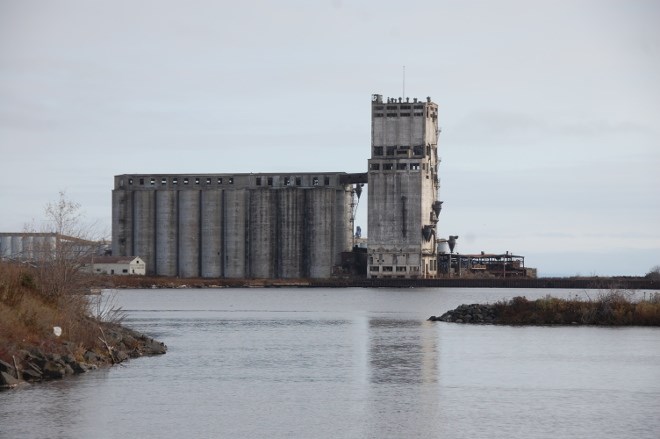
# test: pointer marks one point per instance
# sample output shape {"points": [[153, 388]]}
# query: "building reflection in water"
{"points": [[403, 360], [402, 352]]}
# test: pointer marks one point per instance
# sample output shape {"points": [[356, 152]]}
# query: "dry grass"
{"points": [[28, 315], [614, 308]]}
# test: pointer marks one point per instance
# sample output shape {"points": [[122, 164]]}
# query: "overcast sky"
{"points": [[550, 110]]}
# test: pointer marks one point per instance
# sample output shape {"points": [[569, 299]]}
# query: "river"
{"points": [[350, 363]]}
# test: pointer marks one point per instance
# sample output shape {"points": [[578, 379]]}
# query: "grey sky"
{"points": [[550, 110]]}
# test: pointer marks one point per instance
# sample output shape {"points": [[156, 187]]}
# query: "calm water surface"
{"points": [[350, 363]]}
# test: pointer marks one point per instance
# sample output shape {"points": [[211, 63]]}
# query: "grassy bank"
{"points": [[613, 308], [62, 333]]}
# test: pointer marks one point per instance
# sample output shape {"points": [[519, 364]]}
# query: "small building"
{"points": [[120, 265]]}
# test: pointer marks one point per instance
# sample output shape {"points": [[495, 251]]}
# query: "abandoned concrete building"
{"points": [[403, 188], [291, 225], [235, 225]]}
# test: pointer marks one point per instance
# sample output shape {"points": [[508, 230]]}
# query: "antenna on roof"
{"points": [[404, 82]]}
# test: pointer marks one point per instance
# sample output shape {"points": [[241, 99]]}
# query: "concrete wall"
{"points": [[233, 226]]}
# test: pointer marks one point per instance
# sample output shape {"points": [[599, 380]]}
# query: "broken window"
{"points": [[130, 181], [231, 180], [258, 181], [391, 150], [401, 166], [208, 180], [219, 180], [175, 180], [298, 181], [375, 166], [414, 166], [387, 166], [270, 181], [163, 180], [152, 181], [196, 180], [287, 181], [315, 181], [326, 181], [185, 180]]}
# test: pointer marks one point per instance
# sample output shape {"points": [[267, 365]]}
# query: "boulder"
{"points": [[53, 370], [7, 380]]}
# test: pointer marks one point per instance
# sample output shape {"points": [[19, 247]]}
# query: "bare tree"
{"points": [[65, 245], [654, 273]]}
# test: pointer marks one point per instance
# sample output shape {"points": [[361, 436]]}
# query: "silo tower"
{"points": [[403, 188]]}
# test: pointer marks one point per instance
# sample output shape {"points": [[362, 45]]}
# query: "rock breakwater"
{"points": [[474, 313], [49, 362]]}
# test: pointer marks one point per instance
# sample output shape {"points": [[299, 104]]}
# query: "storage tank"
{"points": [[143, 228], [122, 223], [291, 225], [234, 220], [5, 246], [261, 240], [189, 233], [166, 232], [16, 247], [212, 226], [320, 213]]}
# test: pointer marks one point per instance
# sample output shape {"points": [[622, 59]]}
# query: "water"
{"points": [[350, 363]]}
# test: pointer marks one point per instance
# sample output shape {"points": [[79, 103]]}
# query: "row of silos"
{"points": [[234, 233], [27, 246]]}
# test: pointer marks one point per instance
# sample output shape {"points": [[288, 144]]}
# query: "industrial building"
{"points": [[34, 246], [403, 188], [293, 225], [114, 265]]}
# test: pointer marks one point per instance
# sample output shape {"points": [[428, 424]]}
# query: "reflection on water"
{"points": [[351, 364], [401, 352]]}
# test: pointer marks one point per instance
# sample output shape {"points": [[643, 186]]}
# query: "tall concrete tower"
{"points": [[403, 188]]}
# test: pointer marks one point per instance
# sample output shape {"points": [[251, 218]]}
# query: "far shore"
{"points": [[139, 282]]}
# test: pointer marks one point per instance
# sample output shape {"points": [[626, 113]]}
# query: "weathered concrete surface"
{"points": [[234, 226]]}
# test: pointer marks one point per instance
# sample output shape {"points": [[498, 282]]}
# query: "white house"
{"points": [[121, 265]]}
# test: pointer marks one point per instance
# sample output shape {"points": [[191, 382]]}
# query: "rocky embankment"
{"points": [[474, 313], [118, 344]]}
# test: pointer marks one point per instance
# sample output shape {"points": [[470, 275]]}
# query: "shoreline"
{"points": [[142, 282], [57, 359]]}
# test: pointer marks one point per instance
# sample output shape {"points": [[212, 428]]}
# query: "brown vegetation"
{"points": [[28, 316], [613, 308]]}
